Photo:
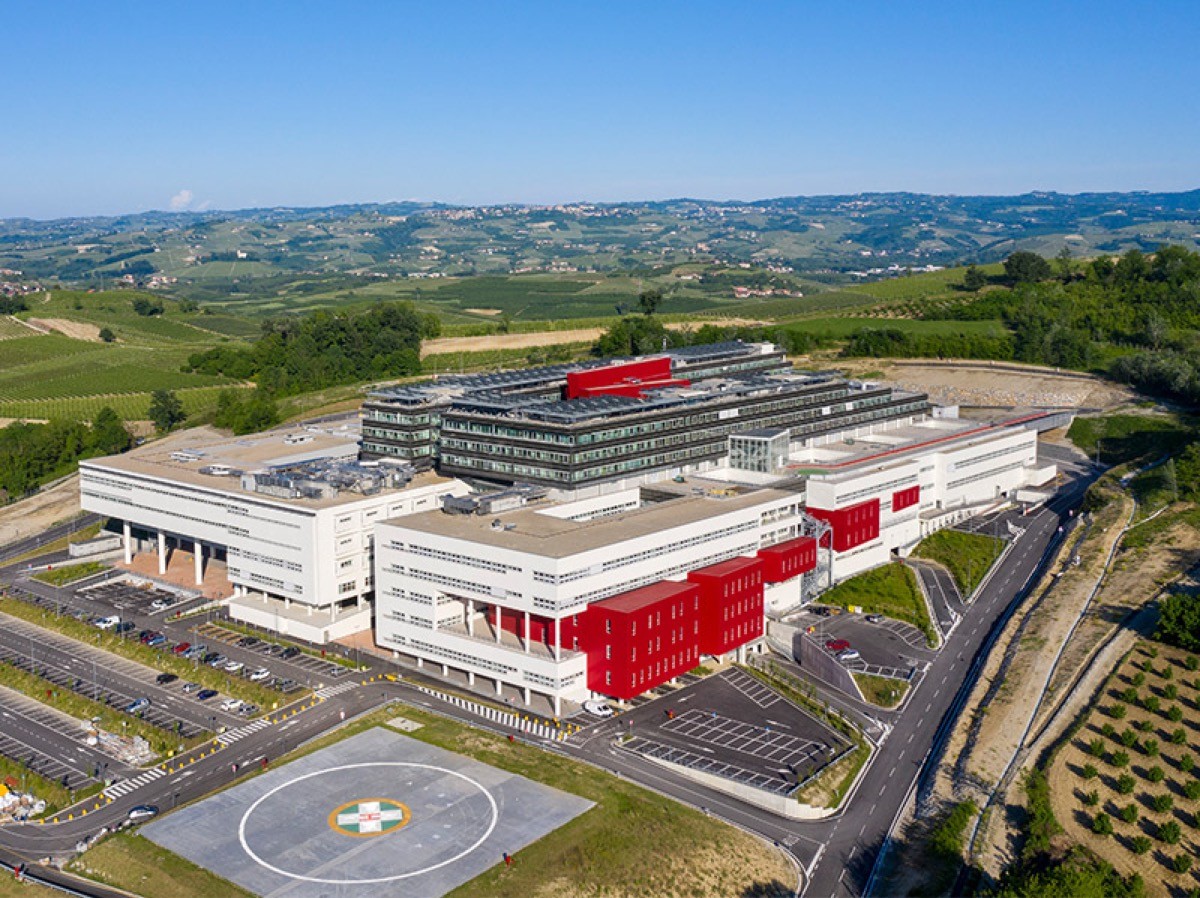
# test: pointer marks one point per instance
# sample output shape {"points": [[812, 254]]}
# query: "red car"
{"points": [[181, 648], [837, 645]]}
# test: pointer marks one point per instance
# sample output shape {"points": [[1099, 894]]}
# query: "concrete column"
{"points": [[420, 661], [162, 552], [128, 533], [557, 642], [497, 632], [499, 687], [470, 678], [332, 612], [287, 603], [198, 548], [527, 696], [445, 670], [557, 706], [526, 640], [470, 617]]}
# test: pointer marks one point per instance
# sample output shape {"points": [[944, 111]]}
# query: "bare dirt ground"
{"points": [[980, 384], [32, 515], [547, 338], [77, 330], [4, 422]]}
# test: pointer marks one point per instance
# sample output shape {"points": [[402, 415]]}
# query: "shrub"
{"points": [[1179, 737], [1192, 789], [1139, 844], [1096, 748], [1192, 663], [1162, 803], [1102, 825], [1169, 832], [1117, 712], [1129, 813], [1151, 703], [1090, 772], [1128, 738], [1182, 862], [1175, 713], [1138, 679], [1152, 651], [1144, 726], [1091, 799], [1171, 692], [1126, 784], [1150, 748], [1042, 825], [1168, 673], [1186, 763], [1155, 774], [1131, 696], [1108, 730], [1119, 759]]}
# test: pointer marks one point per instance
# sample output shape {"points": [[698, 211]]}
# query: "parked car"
{"points": [[248, 710], [231, 704], [143, 812], [848, 655], [598, 708], [189, 688], [261, 674], [164, 678], [181, 648], [234, 666], [124, 627], [156, 640], [107, 623], [248, 641], [205, 694], [837, 645], [287, 685], [161, 604], [290, 652], [143, 635], [196, 651], [213, 659], [138, 704], [874, 618], [150, 634], [273, 648]]}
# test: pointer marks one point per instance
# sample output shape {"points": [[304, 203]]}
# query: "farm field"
{"points": [[1126, 785]]}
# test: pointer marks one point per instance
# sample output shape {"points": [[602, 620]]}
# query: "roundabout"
{"points": [[377, 808]]}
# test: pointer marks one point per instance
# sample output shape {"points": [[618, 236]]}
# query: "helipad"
{"points": [[379, 811]]}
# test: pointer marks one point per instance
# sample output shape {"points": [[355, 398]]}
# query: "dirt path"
{"points": [[550, 338]]}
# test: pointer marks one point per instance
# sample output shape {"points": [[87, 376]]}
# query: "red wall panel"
{"points": [[786, 560], [902, 499], [731, 604], [851, 526], [592, 379], [642, 638]]}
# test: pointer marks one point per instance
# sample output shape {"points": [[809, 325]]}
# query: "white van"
{"points": [[106, 623]]}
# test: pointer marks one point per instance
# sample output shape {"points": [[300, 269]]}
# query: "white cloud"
{"points": [[181, 200]]}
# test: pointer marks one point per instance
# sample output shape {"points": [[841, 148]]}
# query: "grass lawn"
{"points": [[48, 790], [1123, 438], [885, 692], [61, 576], [10, 888], [131, 862], [890, 590], [633, 842], [968, 556]]}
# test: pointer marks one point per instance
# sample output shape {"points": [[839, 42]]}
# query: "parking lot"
{"points": [[131, 598], [889, 647], [267, 653], [733, 726]]}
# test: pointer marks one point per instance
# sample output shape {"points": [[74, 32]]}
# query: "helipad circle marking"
{"points": [[368, 817], [462, 776]]}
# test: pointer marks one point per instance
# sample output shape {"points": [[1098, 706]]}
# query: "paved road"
{"points": [[49, 535], [944, 597]]}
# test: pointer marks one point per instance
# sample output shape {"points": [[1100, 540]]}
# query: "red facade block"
{"points": [[593, 381], [731, 604], [783, 561], [902, 499], [642, 638], [851, 526]]}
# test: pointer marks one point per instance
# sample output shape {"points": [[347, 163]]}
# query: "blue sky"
{"points": [[117, 107]]}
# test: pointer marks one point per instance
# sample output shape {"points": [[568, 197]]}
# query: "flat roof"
{"points": [[723, 568], [637, 599], [180, 458], [527, 530]]}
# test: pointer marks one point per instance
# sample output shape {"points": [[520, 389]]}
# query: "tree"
{"points": [[147, 307], [1169, 832], [1063, 263], [1140, 844], [107, 335], [649, 301], [165, 410], [1179, 619], [1126, 784], [1024, 267], [1102, 825], [1129, 813], [974, 279], [109, 435]]}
